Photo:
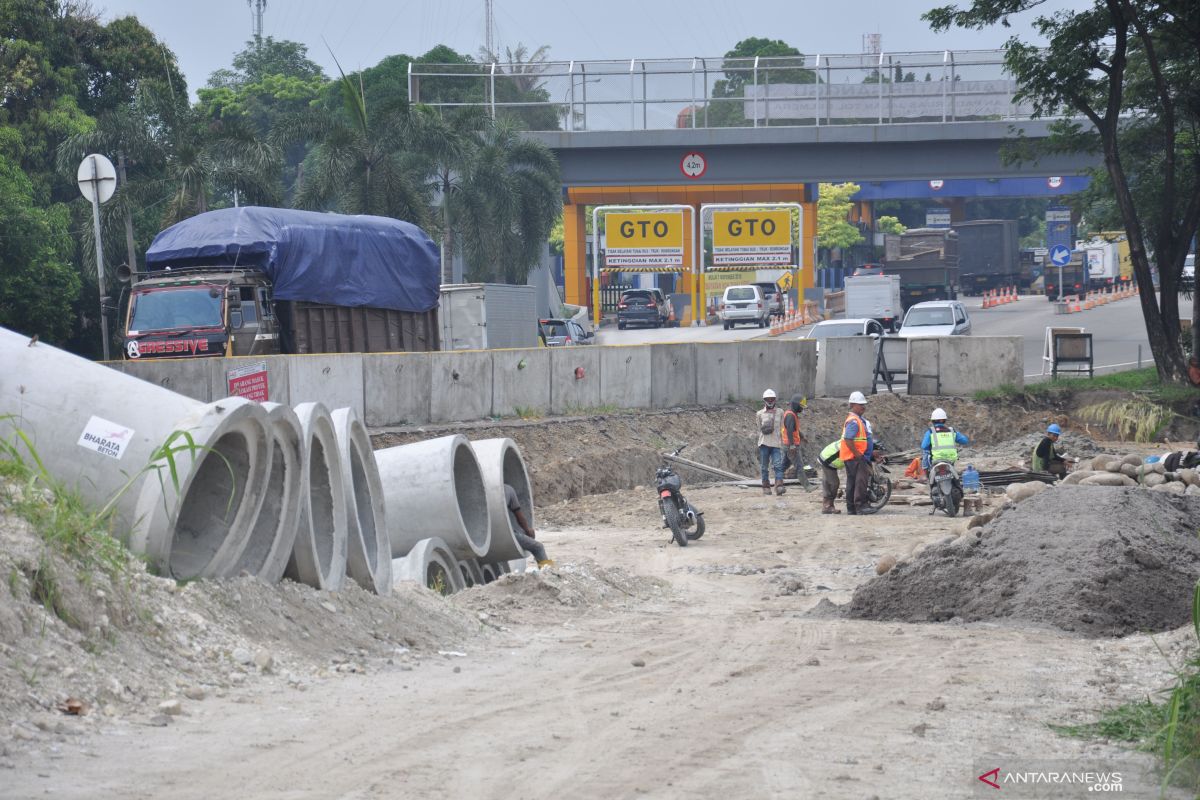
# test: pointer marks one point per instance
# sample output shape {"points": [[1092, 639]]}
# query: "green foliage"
{"points": [[786, 65], [1136, 419], [889, 224], [833, 209]]}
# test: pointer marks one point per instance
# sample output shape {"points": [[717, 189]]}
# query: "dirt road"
{"points": [[637, 668]]}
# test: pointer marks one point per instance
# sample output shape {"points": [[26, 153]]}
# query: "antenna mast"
{"points": [[257, 9], [489, 29]]}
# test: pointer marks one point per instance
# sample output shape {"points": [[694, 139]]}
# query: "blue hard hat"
{"points": [[1057, 431]]}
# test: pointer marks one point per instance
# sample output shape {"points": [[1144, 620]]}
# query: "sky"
{"points": [[205, 34]]}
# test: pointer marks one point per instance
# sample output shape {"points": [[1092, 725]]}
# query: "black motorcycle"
{"points": [[945, 488], [677, 513], [879, 489]]}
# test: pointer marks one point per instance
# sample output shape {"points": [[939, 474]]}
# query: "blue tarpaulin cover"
{"points": [[321, 258]]}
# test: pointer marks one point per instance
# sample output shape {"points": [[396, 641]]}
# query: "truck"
{"points": [[874, 297], [483, 316], [926, 259], [1103, 263], [258, 281], [1074, 278], [989, 255]]}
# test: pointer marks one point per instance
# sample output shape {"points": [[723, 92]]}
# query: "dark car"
{"points": [[642, 307], [773, 296], [868, 269], [564, 333]]}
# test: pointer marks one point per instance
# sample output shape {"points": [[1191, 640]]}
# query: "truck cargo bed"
{"points": [[319, 328]]}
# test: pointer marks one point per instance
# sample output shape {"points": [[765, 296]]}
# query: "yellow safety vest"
{"points": [[942, 446], [829, 456]]}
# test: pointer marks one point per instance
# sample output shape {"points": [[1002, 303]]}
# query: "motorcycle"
{"points": [[945, 488], [879, 489], [677, 513]]}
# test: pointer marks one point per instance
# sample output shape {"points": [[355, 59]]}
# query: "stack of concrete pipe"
{"points": [[214, 490]]}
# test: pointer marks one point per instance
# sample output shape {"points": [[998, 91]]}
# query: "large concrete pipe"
{"points": [[108, 436], [434, 489], [501, 463], [319, 554], [490, 573], [472, 574], [431, 564], [274, 535], [368, 550]]}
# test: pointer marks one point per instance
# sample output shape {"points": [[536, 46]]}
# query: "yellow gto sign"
{"points": [[644, 240], [752, 237]]}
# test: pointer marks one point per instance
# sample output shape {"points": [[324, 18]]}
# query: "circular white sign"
{"points": [[936, 184], [693, 165], [132, 349], [1054, 182], [96, 178]]}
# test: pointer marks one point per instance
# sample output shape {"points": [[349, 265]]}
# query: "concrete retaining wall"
{"points": [[963, 365], [415, 388]]}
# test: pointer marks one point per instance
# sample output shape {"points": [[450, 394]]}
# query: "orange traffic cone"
{"points": [[1016, 295], [671, 315]]}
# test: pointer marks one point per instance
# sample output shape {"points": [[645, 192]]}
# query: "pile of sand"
{"points": [[1102, 561]]}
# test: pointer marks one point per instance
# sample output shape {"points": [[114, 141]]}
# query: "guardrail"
{"points": [[660, 94]]}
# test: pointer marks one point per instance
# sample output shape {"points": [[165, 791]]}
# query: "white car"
{"points": [[744, 304], [936, 318], [832, 328]]}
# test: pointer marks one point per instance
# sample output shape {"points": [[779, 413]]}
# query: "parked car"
{"points": [[564, 333], [743, 304], [832, 328], [936, 318], [774, 298], [642, 307]]}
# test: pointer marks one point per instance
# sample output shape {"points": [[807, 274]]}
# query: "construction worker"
{"points": [[940, 442], [831, 462], [770, 445], [523, 531], [1046, 457], [855, 450], [791, 436]]}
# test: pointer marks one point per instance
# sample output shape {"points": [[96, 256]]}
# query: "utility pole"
{"points": [[489, 29], [257, 9]]}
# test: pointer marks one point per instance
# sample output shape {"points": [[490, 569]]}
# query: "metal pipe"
{"points": [[108, 435], [368, 550], [435, 488]]}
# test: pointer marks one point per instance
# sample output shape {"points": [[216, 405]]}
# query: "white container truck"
{"points": [[1104, 264], [488, 316], [875, 297]]}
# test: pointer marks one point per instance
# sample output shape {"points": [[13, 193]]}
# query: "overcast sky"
{"points": [[205, 34]]}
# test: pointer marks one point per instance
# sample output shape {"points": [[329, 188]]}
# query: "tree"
{"points": [[887, 224], [833, 211], [38, 285], [785, 65], [1129, 68]]}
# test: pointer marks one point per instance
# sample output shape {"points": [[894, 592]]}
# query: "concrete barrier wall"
{"points": [[845, 365], [963, 365], [520, 379], [625, 376], [672, 375], [416, 388], [717, 373]]}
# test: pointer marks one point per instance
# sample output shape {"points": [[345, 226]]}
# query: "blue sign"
{"points": [[1060, 255]]}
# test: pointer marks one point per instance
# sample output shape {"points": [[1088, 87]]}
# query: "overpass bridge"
{"points": [[928, 124]]}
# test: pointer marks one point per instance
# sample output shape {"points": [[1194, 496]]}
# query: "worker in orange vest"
{"points": [[855, 450], [791, 436]]}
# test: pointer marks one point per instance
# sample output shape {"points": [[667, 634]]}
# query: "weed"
{"points": [[1137, 419], [589, 411], [1138, 722], [439, 583], [526, 412]]}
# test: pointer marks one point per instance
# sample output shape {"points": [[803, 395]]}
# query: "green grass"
{"points": [[587, 411], [527, 412], [1139, 723], [1138, 381]]}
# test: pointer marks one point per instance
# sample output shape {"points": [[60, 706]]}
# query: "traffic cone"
{"points": [[1016, 295], [671, 316], [1077, 307], [987, 299]]}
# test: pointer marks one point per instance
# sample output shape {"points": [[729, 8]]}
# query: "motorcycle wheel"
{"points": [[671, 511], [878, 493], [953, 502], [696, 534]]}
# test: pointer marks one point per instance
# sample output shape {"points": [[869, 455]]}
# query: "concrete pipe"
{"points": [[270, 543], [490, 573], [431, 564], [434, 488], [319, 554], [501, 463], [186, 479], [368, 550], [472, 574]]}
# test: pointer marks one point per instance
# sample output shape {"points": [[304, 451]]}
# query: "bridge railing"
{"points": [[660, 94]]}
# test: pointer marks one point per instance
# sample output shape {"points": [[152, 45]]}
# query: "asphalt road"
{"points": [[1117, 331]]}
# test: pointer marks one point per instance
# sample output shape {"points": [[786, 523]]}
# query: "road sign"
{"points": [[97, 178], [643, 240], [755, 236], [1060, 256], [785, 282], [693, 164]]}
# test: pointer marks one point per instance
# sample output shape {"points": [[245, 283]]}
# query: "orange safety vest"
{"points": [[850, 449], [783, 431]]}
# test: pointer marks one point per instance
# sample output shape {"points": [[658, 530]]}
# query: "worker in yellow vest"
{"points": [[855, 450], [831, 462]]}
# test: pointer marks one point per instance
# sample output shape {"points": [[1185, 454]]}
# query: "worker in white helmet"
{"points": [[941, 442], [770, 444], [856, 450]]}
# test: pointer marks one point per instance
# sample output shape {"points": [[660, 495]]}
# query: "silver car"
{"points": [[936, 318]]}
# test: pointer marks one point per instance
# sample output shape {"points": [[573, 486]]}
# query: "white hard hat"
{"points": [[769, 394], [857, 397], [938, 413]]}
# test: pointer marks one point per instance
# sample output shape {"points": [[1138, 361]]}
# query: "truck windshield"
{"points": [[166, 309], [928, 316]]}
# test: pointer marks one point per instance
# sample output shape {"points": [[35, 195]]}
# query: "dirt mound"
{"points": [[535, 596], [1097, 560]]}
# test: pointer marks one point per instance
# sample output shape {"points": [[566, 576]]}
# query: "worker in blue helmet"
{"points": [[1046, 457]]}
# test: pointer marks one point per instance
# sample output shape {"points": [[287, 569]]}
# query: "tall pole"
{"points": [[259, 6], [100, 258], [489, 29]]}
